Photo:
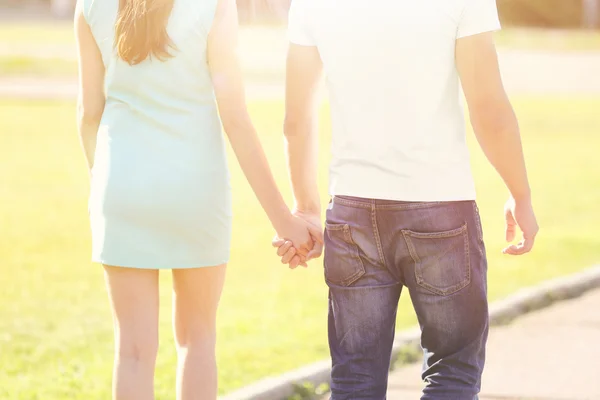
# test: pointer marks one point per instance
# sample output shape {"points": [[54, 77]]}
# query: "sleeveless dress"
{"points": [[160, 193]]}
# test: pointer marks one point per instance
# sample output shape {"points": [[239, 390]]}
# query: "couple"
{"points": [[159, 79]]}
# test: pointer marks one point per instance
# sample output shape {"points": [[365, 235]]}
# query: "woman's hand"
{"points": [[301, 233], [286, 250]]}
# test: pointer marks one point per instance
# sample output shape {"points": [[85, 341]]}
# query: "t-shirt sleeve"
{"points": [[298, 26], [478, 16]]}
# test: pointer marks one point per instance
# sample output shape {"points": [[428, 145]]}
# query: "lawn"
{"points": [[27, 33], [21, 65], [55, 324]]}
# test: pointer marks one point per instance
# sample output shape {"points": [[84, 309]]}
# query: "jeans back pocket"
{"points": [[442, 260], [343, 265]]}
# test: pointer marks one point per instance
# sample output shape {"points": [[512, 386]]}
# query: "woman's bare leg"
{"points": [[196, 295], [133, 296]]}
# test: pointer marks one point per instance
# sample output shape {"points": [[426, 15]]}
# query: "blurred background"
{"points": [[55, 324], [540, 13]]}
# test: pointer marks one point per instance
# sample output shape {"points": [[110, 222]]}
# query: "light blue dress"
{"points": [[160, 194]]}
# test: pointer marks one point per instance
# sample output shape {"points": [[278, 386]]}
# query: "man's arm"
{"points": [[303, 75], [497, 131], [304, 69]]}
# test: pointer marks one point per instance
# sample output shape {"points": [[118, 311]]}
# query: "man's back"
{"points": [[400, 162], [398, 121]]}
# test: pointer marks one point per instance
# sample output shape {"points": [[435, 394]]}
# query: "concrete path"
{"points": [[524, 73], [540, 72], [553, 354]]}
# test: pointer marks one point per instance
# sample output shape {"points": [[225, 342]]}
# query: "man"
{"points": [[402, 212]]}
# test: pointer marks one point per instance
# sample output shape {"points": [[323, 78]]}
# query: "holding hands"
{"points": [[301, 240]]}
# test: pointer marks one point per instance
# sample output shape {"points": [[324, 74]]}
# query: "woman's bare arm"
{"points": [[229, 90], [91, 97]]}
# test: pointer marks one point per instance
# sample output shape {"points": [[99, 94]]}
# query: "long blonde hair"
{"points": [[141, 30]]}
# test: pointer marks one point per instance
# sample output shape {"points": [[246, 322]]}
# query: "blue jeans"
{"points": [[374, 248]]}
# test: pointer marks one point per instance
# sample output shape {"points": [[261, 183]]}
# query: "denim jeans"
{"points": [[374, 248]]}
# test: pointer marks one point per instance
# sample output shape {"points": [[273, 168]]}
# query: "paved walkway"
{"points": [[524, 73], [262, 56], [552, 354]]}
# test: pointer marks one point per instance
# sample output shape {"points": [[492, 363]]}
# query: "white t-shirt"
{"points": [[397, 115]]}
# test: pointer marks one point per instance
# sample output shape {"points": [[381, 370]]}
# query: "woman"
{"points": [[150, 72]]}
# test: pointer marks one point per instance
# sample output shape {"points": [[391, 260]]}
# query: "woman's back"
{"points": [[172, 92], [160, 160]]}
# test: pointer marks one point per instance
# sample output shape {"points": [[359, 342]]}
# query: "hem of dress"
{"points": [[157, 268]]}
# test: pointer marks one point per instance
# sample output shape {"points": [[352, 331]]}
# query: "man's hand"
{"points": [[288, 253], [520, 213]]}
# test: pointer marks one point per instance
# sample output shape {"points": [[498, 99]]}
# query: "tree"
{"points": [[62, 8], [591, 14]]}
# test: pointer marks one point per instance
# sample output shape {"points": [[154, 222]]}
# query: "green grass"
{"points": [[549, 40], [31, 66], [55, 324], [19, 65], [37, 33]]}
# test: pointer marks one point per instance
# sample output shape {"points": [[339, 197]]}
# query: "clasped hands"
{"points": [[300, 240]]}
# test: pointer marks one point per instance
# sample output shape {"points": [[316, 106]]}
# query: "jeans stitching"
{"points": [[354, 254], [463, 231], [404, 206], [438, 235], [477, 222], [377, 236], [408, 206], [348, 235], [468, 253], [334, 227], [479, 227], [413, 254], [351, 203]]}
